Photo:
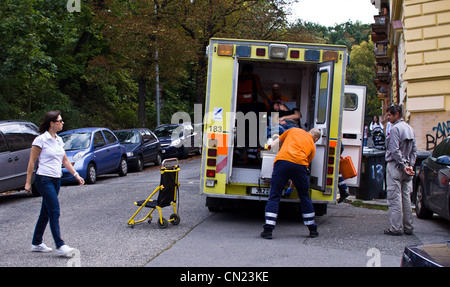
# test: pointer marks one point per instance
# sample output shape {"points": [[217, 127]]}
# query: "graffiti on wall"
{"points": [[440, 132]]}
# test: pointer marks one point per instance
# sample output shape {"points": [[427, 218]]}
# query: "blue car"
{"points": [[142, 147], [93, 152], [178, 140]]}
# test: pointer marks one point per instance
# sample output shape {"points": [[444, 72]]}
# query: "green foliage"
{"points": [[88, 64]]}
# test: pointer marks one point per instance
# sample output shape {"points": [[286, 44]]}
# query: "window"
{"points": [[350, 102], [110, 137], [322, 101], [99, 141], [20, 136], [3, 146], [442, 149]]}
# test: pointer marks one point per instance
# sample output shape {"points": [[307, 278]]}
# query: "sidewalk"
{"points": [[380, 202]]}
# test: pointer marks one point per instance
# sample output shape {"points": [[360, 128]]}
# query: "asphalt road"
{"points": [[94, 220]]}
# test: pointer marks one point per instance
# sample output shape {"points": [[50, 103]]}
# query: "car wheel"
{"points": [[158, 159], [91, 174], [421, 211], [123, 167], [140, 163]]}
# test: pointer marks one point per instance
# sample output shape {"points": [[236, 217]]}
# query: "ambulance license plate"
{"points": [[260, 190]]}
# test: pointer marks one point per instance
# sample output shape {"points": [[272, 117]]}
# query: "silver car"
{"points": [[16, 138]]}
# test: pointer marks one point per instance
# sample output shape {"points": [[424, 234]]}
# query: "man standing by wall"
{"points": [[292, 161], [401, 153]]}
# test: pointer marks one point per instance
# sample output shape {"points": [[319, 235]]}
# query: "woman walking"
{"points": [[48, 148]]}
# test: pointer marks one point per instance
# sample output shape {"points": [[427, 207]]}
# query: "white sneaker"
{"points": [[41, 248], [64, 250]]}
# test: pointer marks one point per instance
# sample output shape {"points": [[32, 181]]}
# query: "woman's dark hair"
{"points": [[51, 116], [394, 109], [378, 119]]}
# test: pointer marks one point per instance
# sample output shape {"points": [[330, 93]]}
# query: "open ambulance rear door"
{"points": [[324, 84], [353, 127]]}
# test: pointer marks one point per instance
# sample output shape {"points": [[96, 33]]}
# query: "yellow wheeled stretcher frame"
{"points": [[168, 192]]}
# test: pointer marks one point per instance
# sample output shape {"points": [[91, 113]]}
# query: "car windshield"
{"points": [[128, 137], [164, 132], [76, 141]]}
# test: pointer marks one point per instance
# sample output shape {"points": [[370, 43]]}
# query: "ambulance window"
{"points": [[350, 102], [323, 98]]}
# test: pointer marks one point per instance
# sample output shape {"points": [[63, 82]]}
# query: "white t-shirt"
{"points": [[52, 154]]}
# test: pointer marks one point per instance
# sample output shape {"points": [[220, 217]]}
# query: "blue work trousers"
{"points": [[48, 188], [282, 172]]}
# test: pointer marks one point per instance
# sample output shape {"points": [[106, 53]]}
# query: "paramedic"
{"points": [[401, 153], [249, 87], [275, 96], [292, 161]]}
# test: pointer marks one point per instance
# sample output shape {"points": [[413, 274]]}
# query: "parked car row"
{"points": [[94, 151]]}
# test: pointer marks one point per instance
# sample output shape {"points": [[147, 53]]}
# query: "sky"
{"points": [[331, 12]]}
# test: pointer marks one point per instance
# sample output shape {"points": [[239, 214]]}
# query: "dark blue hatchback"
{"points": [[178, 140], [142, 147]]}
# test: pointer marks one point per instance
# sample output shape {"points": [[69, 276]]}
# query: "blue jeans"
{"points": [[48, 188], [282, 172]]}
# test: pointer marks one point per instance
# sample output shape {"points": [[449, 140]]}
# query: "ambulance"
{"points": [[235, 163]]}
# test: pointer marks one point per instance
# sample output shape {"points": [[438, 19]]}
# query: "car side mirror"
{"points": [[146, 140], [443, 159]]}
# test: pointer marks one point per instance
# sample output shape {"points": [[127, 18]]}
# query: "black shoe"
{"points": [[267, 233], [313, 232], [343, 197]]}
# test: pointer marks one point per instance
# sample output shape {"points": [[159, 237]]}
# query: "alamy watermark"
{"points": [[375, 257], [73, 6], [247, 129], [75, 258]]}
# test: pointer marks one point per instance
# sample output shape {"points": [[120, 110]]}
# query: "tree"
{"points": [[361, 72]]}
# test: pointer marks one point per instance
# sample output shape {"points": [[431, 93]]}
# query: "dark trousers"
{"points": [[282, 172], [48, 188]]}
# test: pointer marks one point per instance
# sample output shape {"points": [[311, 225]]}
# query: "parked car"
{"points": [[433, 187], [427, 255], [142, 147], [93, 152], [178, 140], [16, 138]]}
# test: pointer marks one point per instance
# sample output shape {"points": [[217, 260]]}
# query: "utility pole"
{"points": [[157, 76]]}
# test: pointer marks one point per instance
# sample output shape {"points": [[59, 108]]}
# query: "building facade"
{"points": [[413, 64]]}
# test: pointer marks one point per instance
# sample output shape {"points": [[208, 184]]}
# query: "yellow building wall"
{"points": [[427, 44]]}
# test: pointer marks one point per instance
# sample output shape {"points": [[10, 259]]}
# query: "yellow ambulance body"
{"points": [[312, 76]]}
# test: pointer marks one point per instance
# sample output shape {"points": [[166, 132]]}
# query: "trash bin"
{"points": [[372, 175]]}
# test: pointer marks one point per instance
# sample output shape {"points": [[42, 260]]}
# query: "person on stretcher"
{"points": [[285, 120]]}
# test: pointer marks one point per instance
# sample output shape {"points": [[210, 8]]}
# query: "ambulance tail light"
{"points": [[210, 172], [278, 51], [225, 50], [212, 152], [330, 170], [329, 181], [211, 162]]}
